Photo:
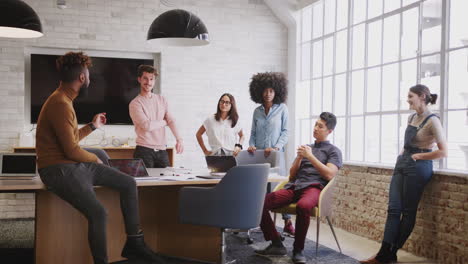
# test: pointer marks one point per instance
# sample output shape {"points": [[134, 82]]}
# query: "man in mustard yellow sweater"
{"points": [[71, 172]]}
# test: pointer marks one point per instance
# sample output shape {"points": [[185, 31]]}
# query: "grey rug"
{"points": [[244, 254]]}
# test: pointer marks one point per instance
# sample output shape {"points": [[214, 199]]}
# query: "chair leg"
{"points": [[249, 239], [333, 231], [223, 249], [317, 240]]}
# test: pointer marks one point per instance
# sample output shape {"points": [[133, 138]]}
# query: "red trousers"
{"points": [[306, 199]]}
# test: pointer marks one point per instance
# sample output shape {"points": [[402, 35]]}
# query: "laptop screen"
{"points": [[18, 164], [132, 167], [220, 163]]}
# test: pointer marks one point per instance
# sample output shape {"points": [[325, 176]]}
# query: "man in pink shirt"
{"points": [[149, 113]]}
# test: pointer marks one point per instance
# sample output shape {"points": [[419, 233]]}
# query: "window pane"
{"points": [[373, 90], [317, 97], [408, 79], [458, 79], [372, 138], [359, 11], [391, 5], [409, 39], [341, 51], [389, 149], [375, 8], [303, 100], [458, 22], [358, 46], [340, 135], [357, 92], [305, 61], [342, 14], [329, 16], [430, 74], [402, 129], [390, 87], [357, 143], [318, 20], [407, 2], [306, 23], [457, 140], [317, 59], [327, 94], [431, 26], [306, 134], [328, 56], [340, 94], [374, 45], [391, 38]]}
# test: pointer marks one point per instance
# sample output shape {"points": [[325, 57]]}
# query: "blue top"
{"points": [[269, 131], [307, 174]]}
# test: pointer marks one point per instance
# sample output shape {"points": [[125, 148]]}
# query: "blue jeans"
{"points": [[406, 188]]}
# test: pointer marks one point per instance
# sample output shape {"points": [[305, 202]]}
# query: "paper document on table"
{"points": [[180, 177]]}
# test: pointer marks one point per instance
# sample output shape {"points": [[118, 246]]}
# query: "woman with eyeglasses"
{"points": [[225, 136], [270, 121], [413, 170]]}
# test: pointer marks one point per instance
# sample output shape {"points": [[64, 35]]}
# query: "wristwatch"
{"points": [[238, 145], [92, 126]]}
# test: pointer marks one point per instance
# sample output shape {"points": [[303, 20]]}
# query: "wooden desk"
{"points": [[61, 231], [113, 152]]}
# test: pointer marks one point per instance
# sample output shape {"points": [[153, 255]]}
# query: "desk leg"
{"points": [[160, 223]]}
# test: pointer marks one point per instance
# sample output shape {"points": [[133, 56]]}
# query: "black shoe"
{"points": [[136, 248], [298, 257], [272, 250]]}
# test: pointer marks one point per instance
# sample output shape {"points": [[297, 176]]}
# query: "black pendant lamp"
{"points": [[178, 28], [18, 20]]}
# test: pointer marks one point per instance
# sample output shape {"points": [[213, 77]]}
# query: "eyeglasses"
{"points": [[225, 102]]}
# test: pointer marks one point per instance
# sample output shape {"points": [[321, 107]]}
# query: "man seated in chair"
{"points": [[315, 165]]}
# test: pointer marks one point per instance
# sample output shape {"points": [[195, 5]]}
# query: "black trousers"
{"points": [[152, 158], [74, 183]]}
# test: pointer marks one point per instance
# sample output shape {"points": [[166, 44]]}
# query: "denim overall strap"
{"points": [[411, 132], [425, 121]]}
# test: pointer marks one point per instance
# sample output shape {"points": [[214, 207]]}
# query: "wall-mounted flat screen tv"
{"points": [[113, 85]]}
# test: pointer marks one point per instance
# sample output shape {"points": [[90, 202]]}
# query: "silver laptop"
{"points": [[218, 166], [132, 167], [18, 165]]}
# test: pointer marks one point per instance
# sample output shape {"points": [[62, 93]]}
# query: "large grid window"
{"points": [[360, 57]]}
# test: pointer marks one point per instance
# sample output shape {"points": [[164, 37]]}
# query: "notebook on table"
{"points": [[218, 166], [133, 167], [18, 166]]}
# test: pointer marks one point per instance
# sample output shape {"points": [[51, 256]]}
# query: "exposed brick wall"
{"points": [[16, 205], [441, 226]]}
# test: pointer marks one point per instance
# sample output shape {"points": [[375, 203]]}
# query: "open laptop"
{"points": [[218, 166], [132, 167], [18, 165]]}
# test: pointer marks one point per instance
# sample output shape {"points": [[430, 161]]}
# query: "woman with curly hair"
{"points": [[270, 120], [225, 136]]}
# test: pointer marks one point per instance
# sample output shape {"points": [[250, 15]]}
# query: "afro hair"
{"points": [[275, 80]]}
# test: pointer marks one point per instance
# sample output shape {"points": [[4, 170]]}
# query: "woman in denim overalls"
{"points": [[412, 172]]}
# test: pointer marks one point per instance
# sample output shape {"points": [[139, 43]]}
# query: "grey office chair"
{"points": [[258, 157], [236, 202], [100, 153]]}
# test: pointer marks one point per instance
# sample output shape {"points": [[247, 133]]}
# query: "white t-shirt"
{"points": [[221, 134]]}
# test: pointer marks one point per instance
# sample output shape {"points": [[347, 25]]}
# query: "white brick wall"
{"points": [[246, 38]]}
